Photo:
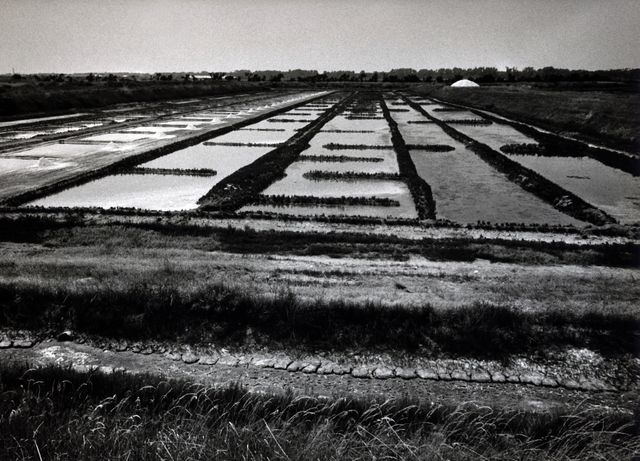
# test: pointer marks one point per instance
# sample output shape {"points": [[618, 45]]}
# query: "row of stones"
{"points": [[440, 372], [317, 366], [18, 343]]}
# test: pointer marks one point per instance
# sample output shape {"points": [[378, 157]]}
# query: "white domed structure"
{"points": [[464, 83]]}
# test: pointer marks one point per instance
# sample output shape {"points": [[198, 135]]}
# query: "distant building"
{"points": [[464, 83], [201, 77]]}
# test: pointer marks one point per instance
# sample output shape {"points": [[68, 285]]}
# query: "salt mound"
{"points": [[464, 83]]}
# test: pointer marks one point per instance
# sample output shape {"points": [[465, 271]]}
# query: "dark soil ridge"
{"points": [[532, 182]]}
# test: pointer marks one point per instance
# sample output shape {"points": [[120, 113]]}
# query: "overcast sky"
{"points": [[216, 35]]}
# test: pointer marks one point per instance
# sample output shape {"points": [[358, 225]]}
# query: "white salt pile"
{"points": [[464, 83]]}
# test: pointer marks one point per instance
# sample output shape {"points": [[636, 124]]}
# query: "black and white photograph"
{"points": [[319, 230]]}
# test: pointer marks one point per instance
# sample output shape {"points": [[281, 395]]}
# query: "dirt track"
{"points": [[259, 378]]}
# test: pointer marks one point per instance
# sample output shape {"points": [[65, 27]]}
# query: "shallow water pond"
{"points": [[295, 184], [614, 191], [223, 159], [381, 137], [61, 151], [466, 190], [341, 122], [288, 127], [119, 137], [495, 135], [257, 137], [147, 191], [388, 165], [419, 133]]}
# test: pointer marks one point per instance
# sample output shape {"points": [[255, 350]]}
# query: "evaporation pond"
{"points": [[253, 137], [10, 165], [380, 137], [614, 191], [495, 135], [466, 190], [224, 159], [145, 191], [117, 137]]}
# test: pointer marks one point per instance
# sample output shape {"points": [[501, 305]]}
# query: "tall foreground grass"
{"points": [[56, 413]]}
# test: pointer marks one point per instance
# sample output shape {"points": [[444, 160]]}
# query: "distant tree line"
{"points": [[403, 75], [444, 75]]}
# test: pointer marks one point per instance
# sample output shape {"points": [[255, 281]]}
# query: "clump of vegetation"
{"points": [[287, 120], [286, 200], [49, 412], [319, 175], [245, 144], [523, 149], [172, 171], [478, 121], [338, 146], [348, 131], [431, 147], [262, 129], [338, 158]]}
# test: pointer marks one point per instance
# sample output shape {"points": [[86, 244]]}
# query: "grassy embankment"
{"points": [[36, 98], [610, 118], [189, 305], [52, 412]]}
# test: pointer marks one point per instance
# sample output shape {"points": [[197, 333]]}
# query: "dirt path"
{"points": [[260, 375]]}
